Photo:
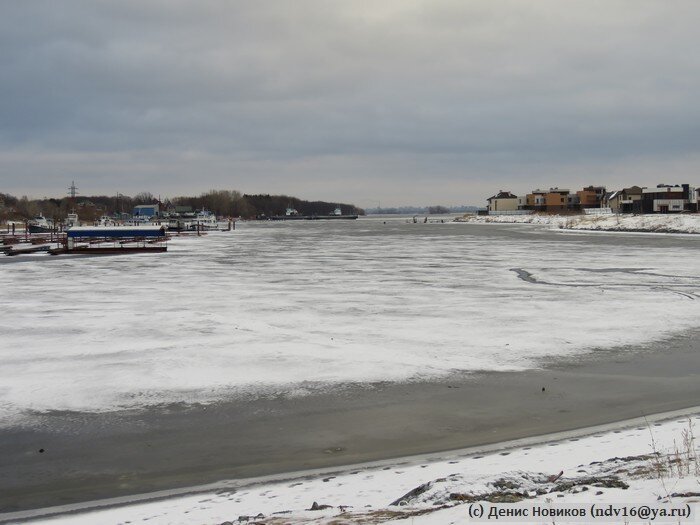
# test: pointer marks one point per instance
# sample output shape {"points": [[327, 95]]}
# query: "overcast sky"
{"points": [[398, 102]]}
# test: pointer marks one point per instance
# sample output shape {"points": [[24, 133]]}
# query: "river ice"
{"points": [[292, 307]]}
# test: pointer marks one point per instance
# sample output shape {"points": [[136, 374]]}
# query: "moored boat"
{"points": [[40, 224], [204, 220]]}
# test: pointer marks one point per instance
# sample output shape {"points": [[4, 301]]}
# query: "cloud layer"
{"points": [[400, 101]]}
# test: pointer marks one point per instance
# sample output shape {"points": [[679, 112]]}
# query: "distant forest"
{"points": [[221, 202]]}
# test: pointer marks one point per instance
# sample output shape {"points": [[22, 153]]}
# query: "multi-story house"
{"points": [[503, 201], [627, 200], [557, 200], [662, 199], [591, 197], [536, 200], [669, 199], [553, 200]]}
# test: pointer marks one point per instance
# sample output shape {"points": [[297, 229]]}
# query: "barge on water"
{"points": [[113, 240], [311, 217], [293, 215]]}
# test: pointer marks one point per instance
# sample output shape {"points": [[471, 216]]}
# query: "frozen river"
{"points": [[293, 307]]}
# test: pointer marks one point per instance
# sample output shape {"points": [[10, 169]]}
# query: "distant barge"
{"points": [[307, 217], [293, 215]]}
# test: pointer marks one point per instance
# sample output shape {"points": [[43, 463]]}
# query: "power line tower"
{"points": [[72, 190]]}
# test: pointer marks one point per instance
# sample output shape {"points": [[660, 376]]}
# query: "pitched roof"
{"points": [[503, 195]]}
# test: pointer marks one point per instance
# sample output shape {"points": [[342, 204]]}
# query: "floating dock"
{"points": [[32, 249], [107, 250], [113, 240]]}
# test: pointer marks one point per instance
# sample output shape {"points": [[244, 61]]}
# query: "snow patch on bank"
{"points": [[681, 223]]}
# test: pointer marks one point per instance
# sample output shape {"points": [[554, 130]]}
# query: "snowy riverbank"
{"points": [[640, 462], [685, 223]]}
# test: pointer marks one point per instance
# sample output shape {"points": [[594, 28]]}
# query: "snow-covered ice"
{"points": [[293, 307]]}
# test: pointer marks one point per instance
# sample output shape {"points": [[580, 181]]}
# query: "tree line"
{"points": [[226, 203]]}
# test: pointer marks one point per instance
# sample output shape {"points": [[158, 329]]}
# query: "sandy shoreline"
{"points": [[91, 457]]}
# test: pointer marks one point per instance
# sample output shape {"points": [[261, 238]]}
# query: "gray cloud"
{"points": [[398, 101]]}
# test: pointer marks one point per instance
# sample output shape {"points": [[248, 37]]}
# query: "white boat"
{"points": [[178, 224], [40, 224], [204, 220], [201, 221]]}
